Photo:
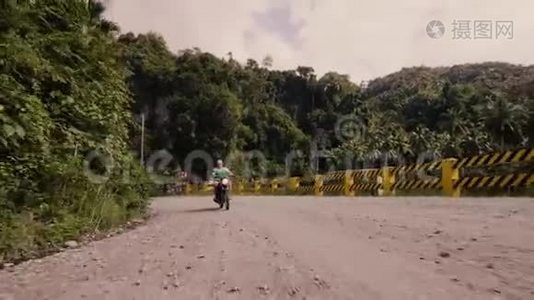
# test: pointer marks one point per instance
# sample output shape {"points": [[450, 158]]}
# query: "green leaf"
{"points": [[8, 130], [20, 131]]}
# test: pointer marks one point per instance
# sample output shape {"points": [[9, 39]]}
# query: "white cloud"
{"points": [[365, 39]]}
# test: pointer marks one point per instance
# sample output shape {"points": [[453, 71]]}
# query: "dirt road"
{"points": [[300, 248]]}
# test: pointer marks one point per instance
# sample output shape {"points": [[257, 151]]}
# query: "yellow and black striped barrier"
{"points": [[448, 176], [265, 186], [416, 168], [417, 184], [497, 158], [368, 180], [332, 188], [306, 186], [505, 178], [415, 177], [333, 182], [498, 181]]}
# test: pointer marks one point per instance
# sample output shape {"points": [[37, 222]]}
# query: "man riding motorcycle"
{"points": [[218, 174]]}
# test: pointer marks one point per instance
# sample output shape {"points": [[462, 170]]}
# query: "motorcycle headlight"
{"points": [[225, 181]]}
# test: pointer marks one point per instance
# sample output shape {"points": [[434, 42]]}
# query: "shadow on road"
{"points": [[201, 210]]}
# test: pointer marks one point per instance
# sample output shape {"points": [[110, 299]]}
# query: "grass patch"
{"points": [[67, 209]]}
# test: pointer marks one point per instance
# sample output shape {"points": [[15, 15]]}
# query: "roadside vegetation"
{"points": [[63, 94]]}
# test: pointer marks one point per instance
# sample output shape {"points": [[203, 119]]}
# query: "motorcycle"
{"points": [[221, 194]]}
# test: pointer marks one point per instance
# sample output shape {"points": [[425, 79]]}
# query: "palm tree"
{"points": [[454, 120], [505, 120]]}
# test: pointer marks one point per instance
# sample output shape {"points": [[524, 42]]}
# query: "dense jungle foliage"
{"points": [[63, 94], [196, 101], [71, 84]]}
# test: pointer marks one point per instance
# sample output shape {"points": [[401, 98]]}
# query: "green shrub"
{"points": [[63, 94]]}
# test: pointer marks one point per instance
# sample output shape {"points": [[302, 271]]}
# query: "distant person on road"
{"points": [[219, 173]]}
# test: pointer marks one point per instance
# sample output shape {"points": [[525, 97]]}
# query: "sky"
{"points": [[362, 38]]}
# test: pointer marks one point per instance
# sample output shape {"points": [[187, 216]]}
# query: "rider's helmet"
{"points": [[220, 163]]}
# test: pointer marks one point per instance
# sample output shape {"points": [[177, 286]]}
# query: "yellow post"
{"points": [[239, 187], [380, 183], [206, 187], [388, 180], [248, 188], [449, 176], [188, 188], [282, 185], [318, 185], [348, 181], [265, 186], [274, 186], [293, 184], [257, 186]]}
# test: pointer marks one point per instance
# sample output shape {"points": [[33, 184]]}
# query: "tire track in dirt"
{"points": [[265, 269]]}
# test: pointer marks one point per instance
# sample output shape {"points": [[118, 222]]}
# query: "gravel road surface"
{"points": [[299, 248]]}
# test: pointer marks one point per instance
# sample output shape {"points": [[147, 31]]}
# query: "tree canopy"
{"points": [[220, 105]]}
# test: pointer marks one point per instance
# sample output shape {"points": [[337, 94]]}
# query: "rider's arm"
{"points": [[212, 179]]}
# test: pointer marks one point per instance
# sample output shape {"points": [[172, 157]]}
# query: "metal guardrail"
{"points": [[448, 177]]}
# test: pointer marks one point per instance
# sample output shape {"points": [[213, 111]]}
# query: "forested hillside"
{"points": [[71, 84], [195, 100]]}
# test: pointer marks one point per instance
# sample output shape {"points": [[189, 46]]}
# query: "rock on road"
{"points": [[299, 248]]}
